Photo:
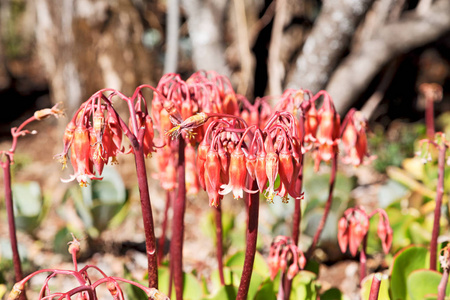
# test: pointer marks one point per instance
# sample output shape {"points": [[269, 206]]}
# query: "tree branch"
{"points": [[411, 31], [327, 42]]}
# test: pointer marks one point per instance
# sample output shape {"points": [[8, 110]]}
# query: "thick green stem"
{"points": [[437, 209], [252, 234], [147, 216], [179, 207]]}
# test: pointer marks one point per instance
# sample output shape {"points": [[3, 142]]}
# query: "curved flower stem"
{"points": [[327, 207], [375, 286], [6, 165], [147, 216], [179, 207], [219, 241], [437, 209], [252, 201], [363, 260], [297, 218], [281, 295], [162, 238], [443, 285]]}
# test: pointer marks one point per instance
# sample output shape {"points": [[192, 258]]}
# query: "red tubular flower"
{"points": [[250, 164], [148, 136], [358, 227], [80, 156], [286, 166], [260, 170], [67, 142], [384, 232], [328, 132], [97, 153], [284, 254], [201, 159], [237, 175], [352, 229], [224, 157], [272, 173], [212, 176], [354, 138], [343, 234], [311, 123], [112, 139]]}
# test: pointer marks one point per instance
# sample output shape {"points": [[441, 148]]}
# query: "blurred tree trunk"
{"points": [[344, 57], [206, 19], [327, 42], [88, 45], [411, 31]]}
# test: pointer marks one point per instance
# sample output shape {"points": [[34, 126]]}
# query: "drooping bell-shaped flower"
{"points": [[212, 177], [260, 170], [343, 234], [201, 159], [237, 175], [80, 156], [352, 228], [384, 232], [112, 140], [286, 164], [358, 227], [272, 163], [354, 138], [97, 153], [327, 137], [311, 123]]}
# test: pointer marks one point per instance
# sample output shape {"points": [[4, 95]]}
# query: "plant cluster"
{"points": [[206, 136]]}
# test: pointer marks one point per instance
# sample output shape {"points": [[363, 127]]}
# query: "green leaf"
{"points": [[416, 287], [408, 260], [227, 292], [333, 294], [265, 292], [304, 286], [192, 287], [383, 293], [27, 198], [228, 276], [260, 265], [111, 189]]}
